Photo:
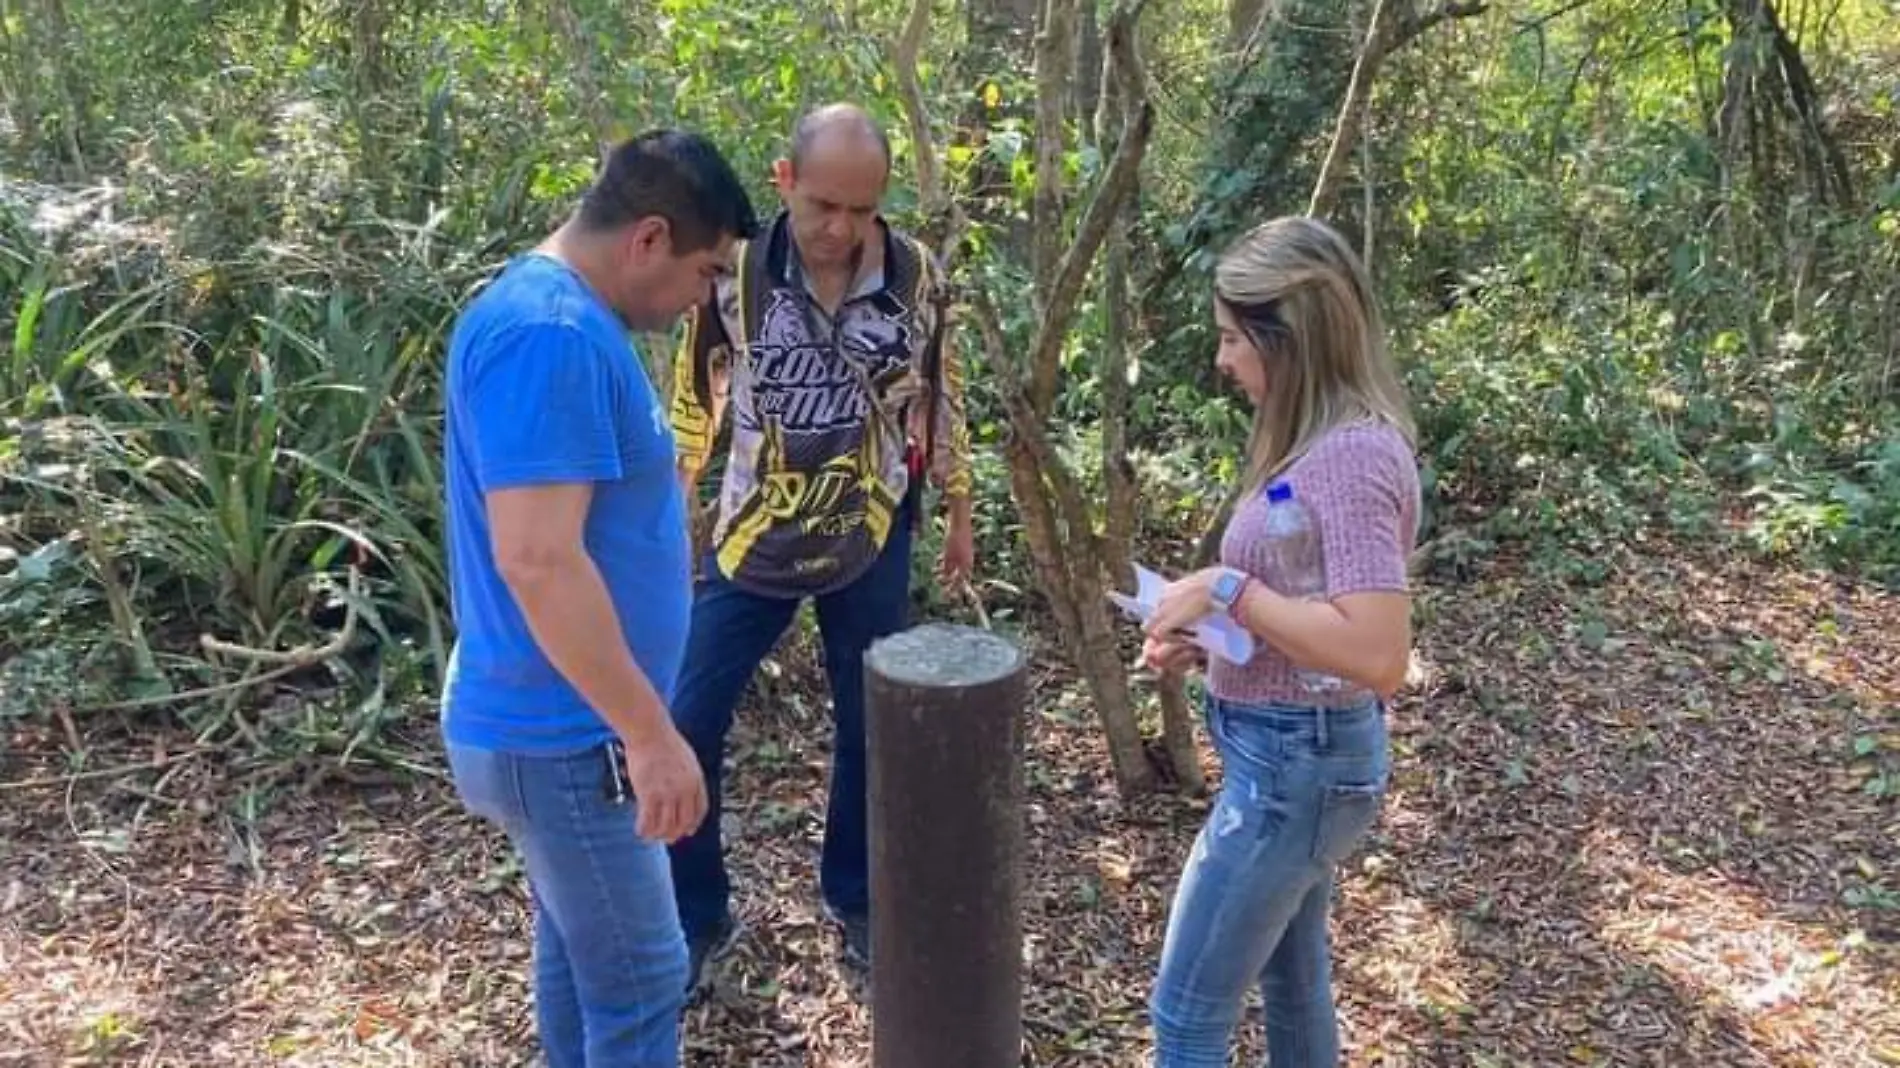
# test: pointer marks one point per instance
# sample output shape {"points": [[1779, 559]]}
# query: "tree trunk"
{"points": [[944, 221], [1834, 179], [1731, 122], [1767, 80], [1058, 522], [1090, 71], [583, 62], [996, 31], [1084, 556], [367, 27], [65, 49], [17, 78], [1177, 735], [1053, 80], [1076, 565], [1070, 577], [1118, 473]]}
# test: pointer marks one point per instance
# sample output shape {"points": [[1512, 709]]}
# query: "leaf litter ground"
{"points": [[1650, 820]]}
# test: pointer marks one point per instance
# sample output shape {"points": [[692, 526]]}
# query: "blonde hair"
{"points": [[1305, 301]]}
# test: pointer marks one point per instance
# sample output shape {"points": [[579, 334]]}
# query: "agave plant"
{"points": [[232, 480]]}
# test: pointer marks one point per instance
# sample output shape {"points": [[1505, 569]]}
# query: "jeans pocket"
{"points": [[488, 784], [1346, 813], [1253, 742]]}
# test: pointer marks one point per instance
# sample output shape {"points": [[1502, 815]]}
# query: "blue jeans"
{"points": [[733, 630], [1301, 787], [609, 957]]}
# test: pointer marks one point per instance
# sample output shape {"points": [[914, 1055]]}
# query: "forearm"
{"points": [[572, 619], [1320, 636], [957, 508]]}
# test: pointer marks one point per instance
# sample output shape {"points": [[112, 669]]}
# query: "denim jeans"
{"points": [[609, 956], [733, 630], [1300, 789]]}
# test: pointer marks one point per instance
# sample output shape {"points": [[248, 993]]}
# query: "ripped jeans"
{"points": [[1301, 787]]}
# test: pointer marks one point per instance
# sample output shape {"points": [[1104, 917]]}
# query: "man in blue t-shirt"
{"points": [[570, 574]]}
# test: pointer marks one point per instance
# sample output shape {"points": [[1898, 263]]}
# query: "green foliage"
{"points": [[1265, 116], [221, 368], [1617, 352], [229, 442], [222, 325]]}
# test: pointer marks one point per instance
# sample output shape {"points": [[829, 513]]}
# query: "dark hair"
{"points": [[680, 177], [1261, 323], [814, 123]]}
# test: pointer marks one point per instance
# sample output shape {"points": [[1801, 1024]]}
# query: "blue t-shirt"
{"points": [[545, 386]]}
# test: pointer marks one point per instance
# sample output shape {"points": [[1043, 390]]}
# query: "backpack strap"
{"points": [[933, 352], [748, 325], [921, 292]]}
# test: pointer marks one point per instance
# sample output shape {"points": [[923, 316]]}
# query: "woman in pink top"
{"points": [[1300, 728]]}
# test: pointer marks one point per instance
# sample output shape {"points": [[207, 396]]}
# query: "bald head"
{"points": [[832, 184], [838, 126]]}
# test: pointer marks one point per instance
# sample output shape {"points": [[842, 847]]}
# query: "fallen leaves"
{"points": [[1630, 826]]}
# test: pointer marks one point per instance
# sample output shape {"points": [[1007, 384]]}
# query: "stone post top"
{"points": [[944, 655]]}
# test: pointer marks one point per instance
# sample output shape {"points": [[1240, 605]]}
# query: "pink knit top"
{"points": [[1361, 483]]}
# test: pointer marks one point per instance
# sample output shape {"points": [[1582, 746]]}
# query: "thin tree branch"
{"points": [[1156, 285], [1537, 24], [1409, 30], [586, 74], [1040, 524], [1053, 84], [1803, 98], [1104, 206], [942, 213], [289, 661], [1026, 432], [1351, 114], [106, 773]]}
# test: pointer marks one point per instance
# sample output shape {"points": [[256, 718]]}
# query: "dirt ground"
{"points": [[1648, 820]]}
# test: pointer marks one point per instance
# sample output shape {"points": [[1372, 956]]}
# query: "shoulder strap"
{"points": [[748, 324], [933, 350], [744, 276]]}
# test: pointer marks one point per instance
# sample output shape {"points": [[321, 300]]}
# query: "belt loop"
{"points": [[1322, 727]]}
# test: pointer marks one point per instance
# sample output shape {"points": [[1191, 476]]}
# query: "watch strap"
{"points": [[1228, 588]]}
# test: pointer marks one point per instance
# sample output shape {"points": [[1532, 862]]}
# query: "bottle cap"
{"points": [[1280, 492]]}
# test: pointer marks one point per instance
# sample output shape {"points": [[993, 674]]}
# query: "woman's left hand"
{"points": [[1185, 602], [1170, 656]]}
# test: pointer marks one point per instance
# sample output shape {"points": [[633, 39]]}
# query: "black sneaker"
{"points": [[705, 948]]}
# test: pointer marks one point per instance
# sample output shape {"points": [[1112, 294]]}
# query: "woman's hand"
{"points": [[1185, 602], [1171, 656]]}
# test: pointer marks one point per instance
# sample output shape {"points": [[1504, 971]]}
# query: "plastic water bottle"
{"points": [[1299, 563]]}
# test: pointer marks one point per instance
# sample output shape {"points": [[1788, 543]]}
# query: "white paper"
{"points": [[1216, 632]]}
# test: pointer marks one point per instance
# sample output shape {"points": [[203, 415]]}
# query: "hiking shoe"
{"points": [[709, 946]]}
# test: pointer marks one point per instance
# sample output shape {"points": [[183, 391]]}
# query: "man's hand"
{"points": [[668, 788], [959, 547]]}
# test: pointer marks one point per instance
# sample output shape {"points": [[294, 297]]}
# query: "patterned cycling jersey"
{"points": [[825, 411]]}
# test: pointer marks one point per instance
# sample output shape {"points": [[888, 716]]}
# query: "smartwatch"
{"points": [[1227, 588]]}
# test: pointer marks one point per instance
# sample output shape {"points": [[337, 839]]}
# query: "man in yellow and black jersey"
{"points": [[825, 348]]}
